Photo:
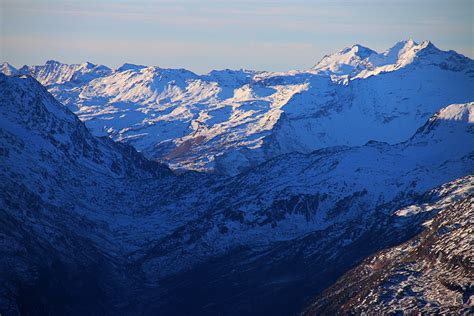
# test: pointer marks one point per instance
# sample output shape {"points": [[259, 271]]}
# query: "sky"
{"points": [[201, 35]]}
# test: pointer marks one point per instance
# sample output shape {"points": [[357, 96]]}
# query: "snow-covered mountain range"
{"points": [[90, 226], [228, 120]]}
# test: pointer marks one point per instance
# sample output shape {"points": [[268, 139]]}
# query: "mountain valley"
{"points": [[345, 188]]}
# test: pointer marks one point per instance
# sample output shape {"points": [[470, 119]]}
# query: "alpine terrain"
{"points": [[229, 120], [346, 188]]}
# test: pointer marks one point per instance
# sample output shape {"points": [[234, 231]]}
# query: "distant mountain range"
{"points": [[346, 188], [228, 121]]}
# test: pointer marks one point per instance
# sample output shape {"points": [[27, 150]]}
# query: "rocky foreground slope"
{"points": [[432, 273]]}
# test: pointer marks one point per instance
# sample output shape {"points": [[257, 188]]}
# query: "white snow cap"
{"points": [[458, 112]]}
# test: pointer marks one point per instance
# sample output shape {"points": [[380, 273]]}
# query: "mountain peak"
{"points": [[31, 89], [27, 105], [402, 45], [52, 62], [427, 45], [345, 61], [409, 42], [395, 54], [179, 72], [55, 72], [360, 61], [128, 66], [457, 112], [355, 50], [88, 65], [7, 69], [361, 51]]}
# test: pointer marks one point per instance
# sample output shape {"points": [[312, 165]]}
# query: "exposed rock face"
{"points": [[431, 273]]}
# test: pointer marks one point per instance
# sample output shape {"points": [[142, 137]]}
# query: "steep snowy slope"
{"points": [[432, 273], [232, 120], [47, 150], [28, 111], [60, 198]]}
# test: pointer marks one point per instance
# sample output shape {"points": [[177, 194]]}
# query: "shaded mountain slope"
{"points": [[84, 217]]}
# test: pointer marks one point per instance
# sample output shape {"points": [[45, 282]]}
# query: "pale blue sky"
{"points": [[215, 34]]}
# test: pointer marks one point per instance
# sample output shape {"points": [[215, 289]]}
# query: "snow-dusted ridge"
{"points": [[360, 62], [54, 72]]}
